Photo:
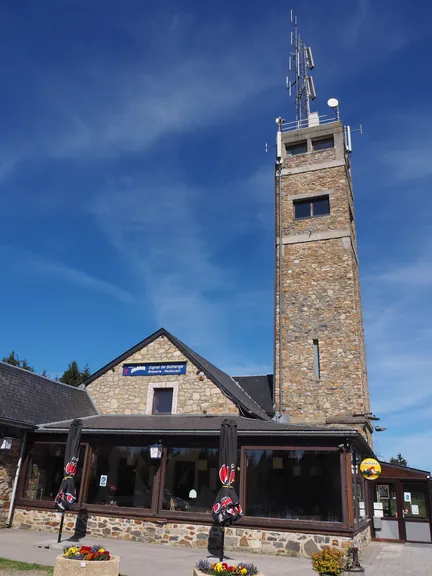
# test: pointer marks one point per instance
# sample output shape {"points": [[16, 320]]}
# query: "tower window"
{"points": [[311, 207], [294, 149], [323, 143], [317, 371], [162, 401]]}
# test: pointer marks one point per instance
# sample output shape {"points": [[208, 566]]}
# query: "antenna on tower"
{"points": [[301, 61]]}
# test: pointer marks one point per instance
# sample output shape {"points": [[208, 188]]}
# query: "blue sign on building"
{"points": [[153, 369]]}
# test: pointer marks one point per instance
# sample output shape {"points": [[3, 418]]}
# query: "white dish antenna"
{"points": [[333, 102]]}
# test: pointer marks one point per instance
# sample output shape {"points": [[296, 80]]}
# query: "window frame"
{"points": [[44, 504], [152, 386], [295, 146], [323, 139], [155, 393], [317, 358], [298, 524], [310, 201], [156, 512]]}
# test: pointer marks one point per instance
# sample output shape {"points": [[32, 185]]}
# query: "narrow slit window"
{"points": [[317, 370]]}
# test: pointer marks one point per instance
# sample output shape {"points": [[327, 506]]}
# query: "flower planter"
{"points": [[66, 567], [197, 572]]}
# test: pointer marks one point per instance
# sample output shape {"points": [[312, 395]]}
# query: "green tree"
{"points": [[73, 375], [399, 460], [14, 360]]}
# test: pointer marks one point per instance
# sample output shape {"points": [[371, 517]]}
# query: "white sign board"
{"points": [[6, 444], [415, 509], [103, 480], [407, 496]]}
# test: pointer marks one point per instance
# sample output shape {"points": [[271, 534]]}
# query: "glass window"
{"points": [[385, 500], [302, 209], [311, 207], [323, 144], [293, 150], [321, 206], [122, 476], [415, 501], [162, 400], [45, 471], [191, 479], [358, 489], [299, 485]]}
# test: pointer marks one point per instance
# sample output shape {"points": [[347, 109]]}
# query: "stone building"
{"points": [[301, 435], [324, 377]]}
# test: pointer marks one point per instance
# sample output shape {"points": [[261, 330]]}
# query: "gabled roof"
{"points": [[260, 388], [403, 469], [29, 399], [227, 385]]}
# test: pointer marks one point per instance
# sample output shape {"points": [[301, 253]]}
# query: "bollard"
{"points": [[355, 565]]}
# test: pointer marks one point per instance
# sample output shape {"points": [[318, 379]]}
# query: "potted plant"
{"points": [[86, 561], [223, 569], [329, 561]]}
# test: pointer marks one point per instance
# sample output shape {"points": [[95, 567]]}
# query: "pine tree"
{"points": [[73, 375], [399, 460], [14, 360]]}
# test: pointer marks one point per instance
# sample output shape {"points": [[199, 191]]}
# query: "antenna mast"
{"points": [[301, 62]]}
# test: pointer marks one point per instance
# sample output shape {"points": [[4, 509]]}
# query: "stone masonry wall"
{"points": [[8, 464], [321, 292], [239, 539], [114, 393]]}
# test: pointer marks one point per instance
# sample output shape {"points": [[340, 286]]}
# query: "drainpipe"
{"points": [[15, 485], [279, 164]]}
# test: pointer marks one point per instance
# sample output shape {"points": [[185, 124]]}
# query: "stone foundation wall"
{"points": [[362, 539], [237, 539], [8, 464]]}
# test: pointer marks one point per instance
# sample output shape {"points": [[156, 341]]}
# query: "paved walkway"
{"points": [[137, 558]]}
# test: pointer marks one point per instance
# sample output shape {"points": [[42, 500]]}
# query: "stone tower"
{"points": [[324, 377]]}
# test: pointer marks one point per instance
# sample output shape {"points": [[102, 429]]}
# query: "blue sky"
{"points": [[136, 191]]}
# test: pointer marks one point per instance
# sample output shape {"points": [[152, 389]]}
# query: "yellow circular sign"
{"points": [[370, 469]]}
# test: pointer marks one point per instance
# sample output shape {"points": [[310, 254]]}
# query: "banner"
{"points": [[153, 369]]}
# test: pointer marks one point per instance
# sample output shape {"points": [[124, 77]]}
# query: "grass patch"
{"points": [[6, 564]]}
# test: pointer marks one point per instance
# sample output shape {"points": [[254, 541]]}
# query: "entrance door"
{"points": [[416, 512], [386, 517]]}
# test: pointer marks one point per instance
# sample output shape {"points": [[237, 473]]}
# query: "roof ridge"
{"points": [[226, 374]]}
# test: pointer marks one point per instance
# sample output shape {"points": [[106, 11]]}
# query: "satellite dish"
{"points": [[333, 102]]}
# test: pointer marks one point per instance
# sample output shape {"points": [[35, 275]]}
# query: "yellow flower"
{"points": [[219, 567], [102, 550], [243, 571]]}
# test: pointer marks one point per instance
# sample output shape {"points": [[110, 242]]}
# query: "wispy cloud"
{"points": [[160, 231], [103, 110], [415, 447], [406, 151], [36, 264], [397, 311]]}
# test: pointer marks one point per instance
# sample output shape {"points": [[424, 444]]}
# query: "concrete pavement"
{"points": [[138, 558]]}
